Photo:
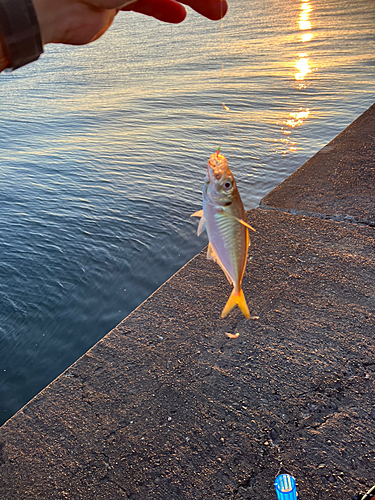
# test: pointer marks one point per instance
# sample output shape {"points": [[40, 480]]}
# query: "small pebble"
{"points": [[231, 335]]}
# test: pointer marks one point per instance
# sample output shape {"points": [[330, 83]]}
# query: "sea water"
{"points": [[103, 151]]}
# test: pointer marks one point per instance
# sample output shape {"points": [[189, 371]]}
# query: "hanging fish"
{"points": [[223, 218]]}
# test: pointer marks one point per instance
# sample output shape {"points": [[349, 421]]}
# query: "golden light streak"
{"points": [[304, 17], [297, 118], [304, 25], [306, 37], [303, 66], [304, 21]]}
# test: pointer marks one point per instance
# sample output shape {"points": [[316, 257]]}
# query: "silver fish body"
{"points": [[223, 217]]}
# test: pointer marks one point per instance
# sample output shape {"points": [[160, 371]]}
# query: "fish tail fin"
{"points": [[239, 299]]}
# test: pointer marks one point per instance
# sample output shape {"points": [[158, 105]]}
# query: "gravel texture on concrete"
{"points": [[167, 407], [338, 182]]}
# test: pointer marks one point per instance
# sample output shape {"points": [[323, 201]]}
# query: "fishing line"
{"points": [[223, 105]]}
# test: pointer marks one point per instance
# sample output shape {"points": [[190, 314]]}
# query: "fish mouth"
{"points": [[217, 166]]}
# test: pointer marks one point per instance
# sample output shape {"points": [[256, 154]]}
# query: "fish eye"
{"points": [[227, 185]]}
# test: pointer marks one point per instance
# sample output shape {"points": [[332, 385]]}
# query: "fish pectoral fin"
{"points": [[201, 225], [238, 220], [236, 299], [246, 224], [202, 222]]}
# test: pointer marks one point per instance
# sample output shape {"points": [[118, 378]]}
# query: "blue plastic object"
{"points": [[286, 487]]}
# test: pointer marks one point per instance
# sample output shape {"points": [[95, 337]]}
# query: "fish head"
{"points": [[221, 186]]}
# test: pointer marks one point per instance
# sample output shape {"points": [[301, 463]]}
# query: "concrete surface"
{"points": [[167, 407]]}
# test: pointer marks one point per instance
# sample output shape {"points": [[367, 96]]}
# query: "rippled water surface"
{"points": [[103, 151]]}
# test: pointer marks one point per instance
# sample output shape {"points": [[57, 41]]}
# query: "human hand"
{"points": [[174, 12], [78, 22]]}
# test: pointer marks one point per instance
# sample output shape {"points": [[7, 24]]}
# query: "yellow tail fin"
{"points": [[239, 299]]}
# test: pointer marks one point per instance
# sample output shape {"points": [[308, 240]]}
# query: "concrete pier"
{"points": [[167, 407]]}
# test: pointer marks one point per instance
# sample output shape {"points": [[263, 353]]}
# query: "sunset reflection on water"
{"points": [[298, 117], [304, 22], [303, 66]]}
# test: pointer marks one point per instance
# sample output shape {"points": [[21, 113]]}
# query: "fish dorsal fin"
{"points": [[226, 214], [202, 222]]}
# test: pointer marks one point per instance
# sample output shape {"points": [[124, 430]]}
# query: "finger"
{"points": [[169, 11], [212, 9]]}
